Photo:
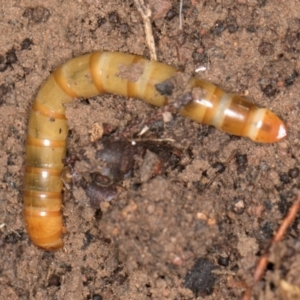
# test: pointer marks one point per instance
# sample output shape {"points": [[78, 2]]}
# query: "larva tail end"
{"points": [[271, 130], [44, 228], [57, 245]]}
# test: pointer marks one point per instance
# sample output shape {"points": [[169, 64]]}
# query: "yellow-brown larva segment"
{"points": [[43, 179], [44, 227], [122, 74]]}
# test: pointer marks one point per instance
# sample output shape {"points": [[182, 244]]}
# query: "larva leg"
{"points": [[122, 74]]}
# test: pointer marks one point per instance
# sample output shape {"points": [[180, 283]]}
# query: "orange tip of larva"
{"points": [[272, 129]]}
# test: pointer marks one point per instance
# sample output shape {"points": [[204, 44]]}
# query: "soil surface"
{"points": [[197, 230]]}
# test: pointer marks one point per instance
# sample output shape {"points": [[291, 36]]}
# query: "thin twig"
{"points": [[180, 14], [146, 14], [263, 261]]}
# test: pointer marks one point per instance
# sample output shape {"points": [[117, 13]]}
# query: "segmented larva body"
{"points": [[101, 72]]}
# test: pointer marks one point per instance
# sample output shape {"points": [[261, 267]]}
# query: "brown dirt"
{"points": [[143, 245]]}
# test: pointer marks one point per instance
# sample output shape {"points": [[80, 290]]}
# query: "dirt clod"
{"points": [[38, 14], [200, 279]]}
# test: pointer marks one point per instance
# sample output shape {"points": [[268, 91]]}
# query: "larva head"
{"points": [[266, 127]]}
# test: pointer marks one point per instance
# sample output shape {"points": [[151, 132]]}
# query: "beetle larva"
{"points": [[103, 72]]}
